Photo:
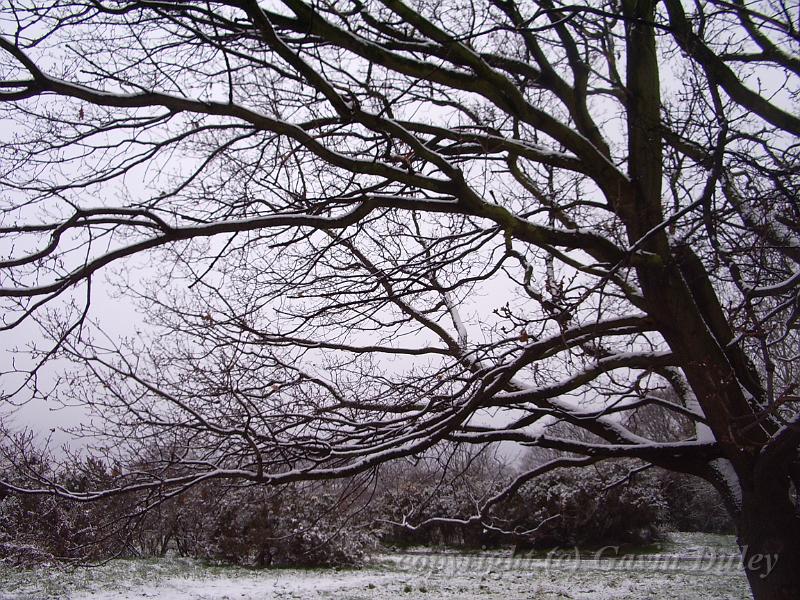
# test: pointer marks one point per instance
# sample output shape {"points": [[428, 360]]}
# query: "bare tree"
{"points": [[372, 227]]}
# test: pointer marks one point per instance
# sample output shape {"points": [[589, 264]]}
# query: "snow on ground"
{"points": [[688, 567]]}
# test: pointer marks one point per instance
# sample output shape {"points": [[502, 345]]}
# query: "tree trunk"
{"points": [[769, 539]]}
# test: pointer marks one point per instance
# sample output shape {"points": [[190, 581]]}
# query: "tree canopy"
{"points": [[361, 230]]}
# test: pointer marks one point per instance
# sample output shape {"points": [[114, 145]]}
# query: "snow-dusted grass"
{"points": [[688, 567]]}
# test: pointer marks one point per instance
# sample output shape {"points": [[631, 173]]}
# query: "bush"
{"points": [[37, 529], [306, 524], [46, 529], [450, 486], [593, 506], [590, 507], [257, 526], [694, 504]]}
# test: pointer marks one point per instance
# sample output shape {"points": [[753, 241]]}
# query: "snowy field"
{"points": [[687, 567]]}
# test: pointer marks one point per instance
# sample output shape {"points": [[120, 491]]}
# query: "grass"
{"points": [[412, 574]]}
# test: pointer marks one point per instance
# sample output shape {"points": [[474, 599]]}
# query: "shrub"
{"points": [[451, 485], [38, 529], [592, 507], [694, 504], [256, 526]]}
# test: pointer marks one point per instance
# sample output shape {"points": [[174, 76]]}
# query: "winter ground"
{"points": [[686, 567]]}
